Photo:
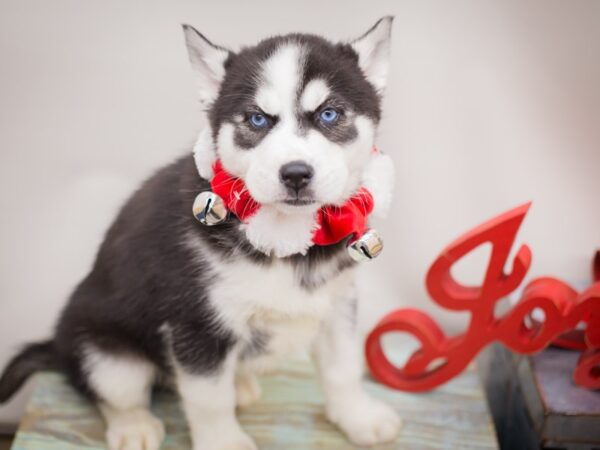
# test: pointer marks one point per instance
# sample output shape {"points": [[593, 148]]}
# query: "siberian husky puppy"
{"points": [[206, 308]]}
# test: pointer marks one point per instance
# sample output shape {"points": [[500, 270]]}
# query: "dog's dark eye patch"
{"points": [[246, 135], [341, 131], [252, 110]]}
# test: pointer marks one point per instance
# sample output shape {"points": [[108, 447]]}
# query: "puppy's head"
{"points": [[294, 116]]}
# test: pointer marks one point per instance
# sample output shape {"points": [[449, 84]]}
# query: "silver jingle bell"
{"points": [[209, 209], [366, 247]]}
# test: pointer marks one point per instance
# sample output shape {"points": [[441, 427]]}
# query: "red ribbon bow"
{"points": [[334, 222]]}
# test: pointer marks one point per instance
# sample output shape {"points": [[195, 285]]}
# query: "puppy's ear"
{"points": [[373, 49], [208, 63]]}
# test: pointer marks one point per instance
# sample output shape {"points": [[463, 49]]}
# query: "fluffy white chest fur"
{"points": [[249, 296]]}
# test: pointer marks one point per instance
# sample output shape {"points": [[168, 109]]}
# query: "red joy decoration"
{"points": [[440, 357]]}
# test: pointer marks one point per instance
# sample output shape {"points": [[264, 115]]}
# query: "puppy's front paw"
{"points": [[366, 421], [135, 430]]}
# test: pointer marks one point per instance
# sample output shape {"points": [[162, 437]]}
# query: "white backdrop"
{"points": [[489, 104]]}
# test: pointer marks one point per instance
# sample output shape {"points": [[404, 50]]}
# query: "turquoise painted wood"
{"points": [[290, 415]]}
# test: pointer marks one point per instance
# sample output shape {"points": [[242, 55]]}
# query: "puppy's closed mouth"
{"points": [[298, 201]]}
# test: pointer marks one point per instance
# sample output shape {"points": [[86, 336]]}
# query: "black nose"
{"points": [[296, 175]]}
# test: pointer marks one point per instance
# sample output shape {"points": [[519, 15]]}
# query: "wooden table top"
{"points": [[289, 415]]}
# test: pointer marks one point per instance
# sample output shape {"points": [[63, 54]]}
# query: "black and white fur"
{"points": [[206, 308]]}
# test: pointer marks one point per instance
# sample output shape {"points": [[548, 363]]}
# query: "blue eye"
{"points": [[258, 120], [329, 115]]}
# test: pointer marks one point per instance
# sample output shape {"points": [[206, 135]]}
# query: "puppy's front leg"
{"points": [[365, 420], [209, 404]]}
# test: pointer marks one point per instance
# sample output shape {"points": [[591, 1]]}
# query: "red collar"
{"points": [[334, 222]]}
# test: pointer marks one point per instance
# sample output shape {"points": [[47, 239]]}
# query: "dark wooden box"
{"points": [[535, 403]]}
